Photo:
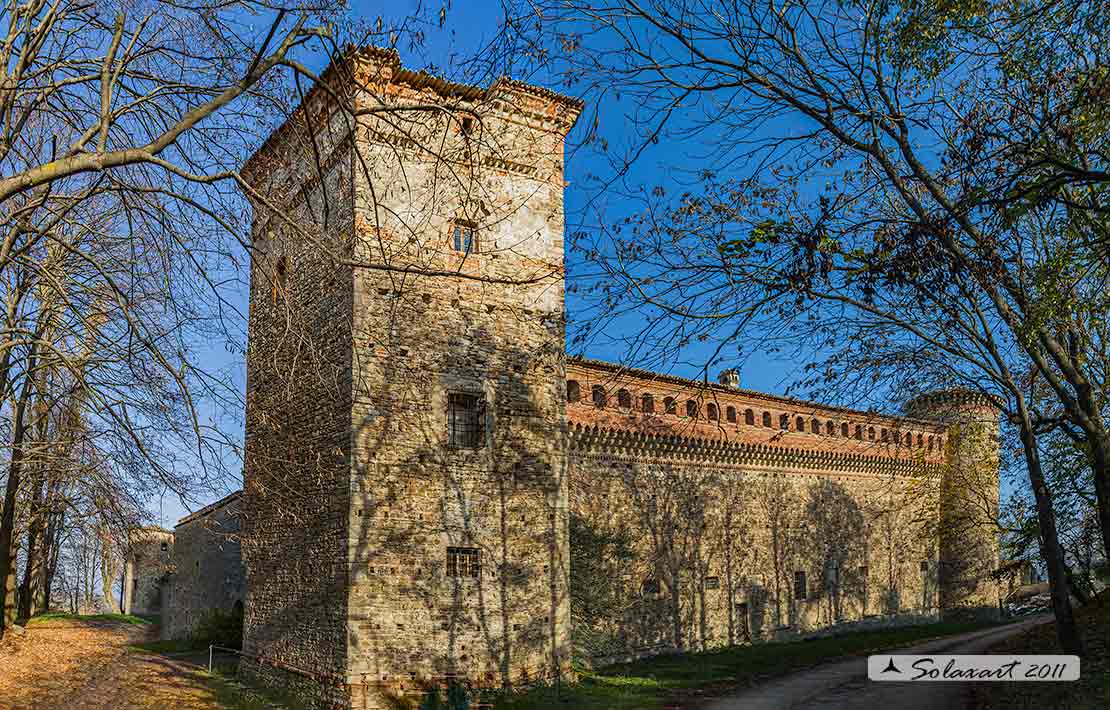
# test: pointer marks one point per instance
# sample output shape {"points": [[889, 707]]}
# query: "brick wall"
{"points": [[490, 325]]}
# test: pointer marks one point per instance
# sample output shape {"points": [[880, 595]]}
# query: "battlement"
{"points": [[612, 398]]}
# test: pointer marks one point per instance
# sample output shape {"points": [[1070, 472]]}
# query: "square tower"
{"points": [[405, 476]]}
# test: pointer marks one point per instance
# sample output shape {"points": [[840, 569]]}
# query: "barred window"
{"points": [[767, 419], [784, 422], [844, 430], [624, 399], [464, 236], [730, 414], [799, 585], [668, 405], [463, 562], [712, 582], [691, 408], [711, 411], [648, 404], [464, 420]]}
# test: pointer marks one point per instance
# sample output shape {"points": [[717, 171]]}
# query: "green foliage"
{"points": [[221, 628], [64, 616]]}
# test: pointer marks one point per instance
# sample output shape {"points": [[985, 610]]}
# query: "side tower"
{"points": [[147, 570], [969, 499], [404, 507]]}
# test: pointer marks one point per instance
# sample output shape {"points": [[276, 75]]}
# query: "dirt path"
{"points": [[843, 685], [86, 664]]}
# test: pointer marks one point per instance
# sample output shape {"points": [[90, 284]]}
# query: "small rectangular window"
{"points": [[651, 586], [464, 420], [463, 562], [712, 582], [464, 236], [799, 585]]}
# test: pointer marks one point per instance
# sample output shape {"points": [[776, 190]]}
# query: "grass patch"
{"points": [[650, 683], [1090, 692], [232, 694], [66, 616], [170, 646]]}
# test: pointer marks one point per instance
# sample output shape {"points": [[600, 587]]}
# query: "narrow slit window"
{"points": [[799, 585]]}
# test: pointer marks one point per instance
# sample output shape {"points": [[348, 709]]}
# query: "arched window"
{"points": [[711, 412], [814, 426], [800, 424], [767, 419], [669, 406], [749, 417], [909, 438], [844, 429], [830, 428], [647, 403], [730, 414], [574, 392], [691, 408], [920, 440], [884, 435], [624, 399], [870, 433], [597, 394], [784, 422], [859, 432], [930, 443]]}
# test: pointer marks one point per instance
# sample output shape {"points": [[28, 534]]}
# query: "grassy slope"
{"points": [[1091, 691], [668, 679], [64, 616]]}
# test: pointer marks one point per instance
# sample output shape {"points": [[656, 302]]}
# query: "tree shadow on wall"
{"points": [[458, 559]]}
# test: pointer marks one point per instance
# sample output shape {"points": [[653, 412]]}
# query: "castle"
{"points": [[434, 491]]}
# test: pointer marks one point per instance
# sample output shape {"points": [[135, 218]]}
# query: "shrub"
{"points": [[221, 628]]}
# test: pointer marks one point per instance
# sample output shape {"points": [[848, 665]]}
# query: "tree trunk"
{"points": [[7, 517], [1067, 634], [32, 571], [1100, 462]]}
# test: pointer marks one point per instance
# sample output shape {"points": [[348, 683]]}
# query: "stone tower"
{"points": [[969, 498], [404, 511], [146, 570]]}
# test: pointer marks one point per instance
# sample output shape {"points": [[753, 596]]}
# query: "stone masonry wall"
{"points": [[209, 572], [147, 570], [489, 325], [296, 470], [702, 518]]}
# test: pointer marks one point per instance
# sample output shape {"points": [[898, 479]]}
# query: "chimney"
{"points": [[729, 378]]}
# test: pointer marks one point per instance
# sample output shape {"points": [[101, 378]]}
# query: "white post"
{"points": [[210, 647]]}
